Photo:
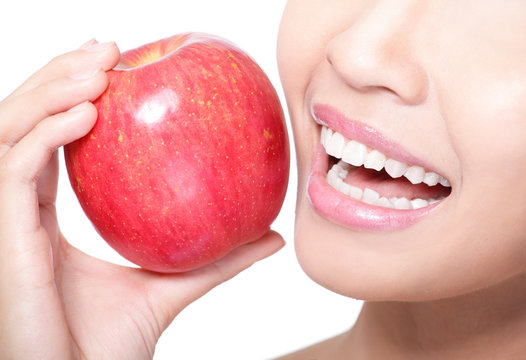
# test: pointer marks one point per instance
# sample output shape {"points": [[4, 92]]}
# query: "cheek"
{"points": [[295, 58], [307, 26], [300, 49], [487, 126], [485, 113]]}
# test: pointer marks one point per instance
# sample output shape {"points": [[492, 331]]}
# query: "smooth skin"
{"points": [[55, 301], [445, 79]]}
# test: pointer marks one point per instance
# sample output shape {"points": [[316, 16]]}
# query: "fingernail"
{"points": [[88, 43], [85, 74], [78, 108], [98, 46]]}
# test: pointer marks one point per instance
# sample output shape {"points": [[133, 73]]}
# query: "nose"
{"points": [[378, 51]]}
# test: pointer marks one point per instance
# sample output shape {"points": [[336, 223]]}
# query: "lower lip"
{"points": [[351, 213]]}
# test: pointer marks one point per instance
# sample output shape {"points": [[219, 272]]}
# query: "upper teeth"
{"points": [[357, 154]]}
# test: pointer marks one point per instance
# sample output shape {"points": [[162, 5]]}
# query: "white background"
{"points": [[270, 309]]}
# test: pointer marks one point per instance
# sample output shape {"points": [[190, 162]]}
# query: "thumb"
{"points": [[173, 292]]}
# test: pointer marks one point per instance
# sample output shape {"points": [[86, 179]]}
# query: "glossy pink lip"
{"points": [[343, 209]]}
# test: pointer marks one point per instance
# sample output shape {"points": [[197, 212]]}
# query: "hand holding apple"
{"points": [[189, 157], [79, 305]]}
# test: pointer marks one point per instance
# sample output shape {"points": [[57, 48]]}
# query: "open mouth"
{"points": [[369, 176], [364, 181]]}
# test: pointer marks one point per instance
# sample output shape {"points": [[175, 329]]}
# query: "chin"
{"points": [[382, 266]]}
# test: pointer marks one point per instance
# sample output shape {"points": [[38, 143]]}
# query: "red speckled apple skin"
{"points": [[189, 157]]}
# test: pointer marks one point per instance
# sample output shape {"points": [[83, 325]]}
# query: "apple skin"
{"points": [[189, 157]]}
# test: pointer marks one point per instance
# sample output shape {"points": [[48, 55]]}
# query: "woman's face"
{"points": [[432, 91]]}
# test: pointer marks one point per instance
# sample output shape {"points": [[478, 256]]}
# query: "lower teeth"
{"points": [[338, 173]]}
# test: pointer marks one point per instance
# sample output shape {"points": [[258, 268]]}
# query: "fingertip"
{"points": [[81, 119], [29, 156], [257, 250], [276, 241], [93, 82], [109, 51], [117, 57], [275, 235], [88, 43], [106, 54], [82, 107], [104, 82], [114, 56]]}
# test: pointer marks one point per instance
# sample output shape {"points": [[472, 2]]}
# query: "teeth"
{"points": [[335, 179], [375, 160], [395, 168], [327, 137], [403, 204], [337, 175], [431, 178], [419, 203], [415, 174], [335, 146], [385, 202], [355, 192], [444, 182], [370, 196], [354, 153]]}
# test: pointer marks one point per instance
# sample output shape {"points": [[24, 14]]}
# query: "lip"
{"points": [[342, 209]]}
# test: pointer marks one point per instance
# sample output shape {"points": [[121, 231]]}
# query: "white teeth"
{"points": [[384, 202], [403, 204], [415, 174], [375, 160], [357, 154], [327, 137], [356, 193], [335, 178], [370, 196], [444, 182], [419, 203], [332, 179], [344, 188], [354, 153], [342, 170], [337, 175], [336, 145], [431, 178], [395, 168]]}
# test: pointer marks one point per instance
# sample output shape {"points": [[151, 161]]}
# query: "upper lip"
{"points": [[326, 115]]}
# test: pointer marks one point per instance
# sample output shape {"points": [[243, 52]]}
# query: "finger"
{"points": [[23, 238], [48, 182], [90, 55], [47, 193], [171, 293], [20, 114], [26, 160]]}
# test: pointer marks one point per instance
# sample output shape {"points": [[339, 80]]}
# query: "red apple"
{"points": [[189, 157]]}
